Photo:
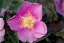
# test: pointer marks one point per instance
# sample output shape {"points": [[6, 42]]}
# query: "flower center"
{"points": [[27, 21]]}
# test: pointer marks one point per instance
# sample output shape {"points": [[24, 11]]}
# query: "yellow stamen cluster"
{"points": [[27, 21]]}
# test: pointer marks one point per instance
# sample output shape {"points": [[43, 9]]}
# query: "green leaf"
{"points": [[5, 4], [20, 0], [7, 42], [34, 0], [7, 15], [15, 6], [14, 0], [60, 34], [50, 1], [0, 9], [53, 12], [62, 30], [30, 0], [44, 11], [1, 1], [12, 36]]}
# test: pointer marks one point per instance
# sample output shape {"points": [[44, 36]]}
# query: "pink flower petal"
{"points": [[38, 35], [40, 29], [1, 23], [30, 37], [26, 35], [36, 10], [21, 35], [57, 1], [60, 11], [1, 39], [59, 7], [2, 32], [14, 22], [23, 7]]}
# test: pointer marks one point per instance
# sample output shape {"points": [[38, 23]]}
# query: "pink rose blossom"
{"points": [[27, 22], [59, 6], [2, 31], [1, 23]]}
